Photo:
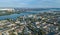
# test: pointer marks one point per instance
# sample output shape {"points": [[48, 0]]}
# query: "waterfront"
{"points": [[14, 16]]}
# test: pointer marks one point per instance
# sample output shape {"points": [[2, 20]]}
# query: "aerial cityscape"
{"points": [[38, 21], [29, 17]]}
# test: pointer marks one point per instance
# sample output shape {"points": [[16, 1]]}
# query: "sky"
{"points": [[30, 3]]}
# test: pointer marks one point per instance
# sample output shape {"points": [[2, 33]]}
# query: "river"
{"points": [[14, 16]]}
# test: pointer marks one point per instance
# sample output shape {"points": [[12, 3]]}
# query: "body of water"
{"points": [[14, 16]]}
